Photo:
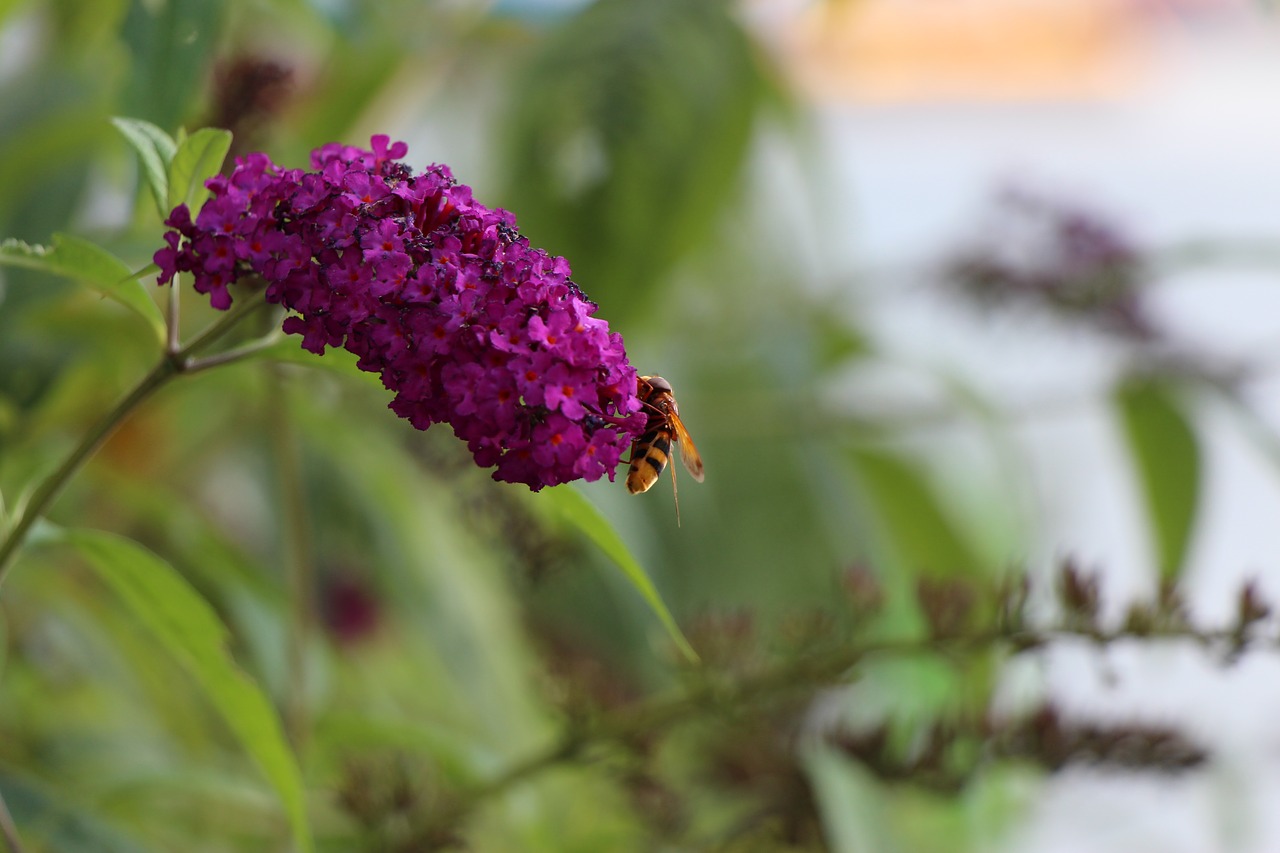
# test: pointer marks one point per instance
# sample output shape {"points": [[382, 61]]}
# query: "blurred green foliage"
{"points": [[451, 660]]}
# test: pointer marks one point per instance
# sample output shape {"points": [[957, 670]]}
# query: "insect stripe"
{"points": [[657, 464]]}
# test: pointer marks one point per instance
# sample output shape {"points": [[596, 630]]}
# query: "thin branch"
{"points": [[195, 365], [173, 325], [52, 486], [170, 365], [251, 304], [298, 558], [803, 674]]}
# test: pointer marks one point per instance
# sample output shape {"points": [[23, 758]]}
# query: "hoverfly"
{"points": [[651, 452]]}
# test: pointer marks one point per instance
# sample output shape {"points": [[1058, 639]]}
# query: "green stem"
{"points": [[802, 674], [298, 561], [52, 485], [169, 366], [195, 365], [173, 324]]}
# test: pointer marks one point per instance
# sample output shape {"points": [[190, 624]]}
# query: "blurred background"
{"points": [[952, 293]]}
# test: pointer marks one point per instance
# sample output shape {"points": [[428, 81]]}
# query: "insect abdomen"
{"points": [[645, 468]]}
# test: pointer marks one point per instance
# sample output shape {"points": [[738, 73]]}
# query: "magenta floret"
{"points": [[461, 318]]}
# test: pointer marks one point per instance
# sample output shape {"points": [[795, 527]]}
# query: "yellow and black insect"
{"points": [[651, 452]]}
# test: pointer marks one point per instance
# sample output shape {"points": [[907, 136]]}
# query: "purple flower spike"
{"points": [[461, 318]]}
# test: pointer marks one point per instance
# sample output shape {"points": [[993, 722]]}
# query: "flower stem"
{"points": [[169, 366], [173, 325], [807, 673], [298, 560], [52, 485]]}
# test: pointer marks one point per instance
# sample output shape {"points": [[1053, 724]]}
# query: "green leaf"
{"points": [[573, 507], [1166, 457], [835, 341], [198, 157], [87, 262], [924, 539], [50, 820], [185, 625], [627, 135], [170, 46], [155, 151], [911, 538], [850, 803]]}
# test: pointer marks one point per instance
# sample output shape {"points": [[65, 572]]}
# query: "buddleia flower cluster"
{"points": [[438, 294], [1042, 252]]}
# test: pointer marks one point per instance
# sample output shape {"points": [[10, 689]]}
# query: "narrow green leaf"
{"points": [[198, 157], [850, 804], [911, 539], [155, 151], [574, 508], [1166, 458], [162, 142], [911, 516], [626, 134], [88, 262], [836, 342], [50, 820], [189, 629]]}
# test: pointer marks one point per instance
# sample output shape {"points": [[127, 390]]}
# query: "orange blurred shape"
{"points": [[961, 50]]}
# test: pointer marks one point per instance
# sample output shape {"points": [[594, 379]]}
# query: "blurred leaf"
{"points": [[835, 340], [87, 262], [171, 44], [155, 151], [1166, 457], [199, 157], [450, 752], [7, 8], [192, 632], [375, 502], [931, 822], [48, 819], [627, 133], [570, 505], [921, 535], [850, 803]]}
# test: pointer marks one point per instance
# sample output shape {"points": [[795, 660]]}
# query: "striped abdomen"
{"points": [[649, 456]]}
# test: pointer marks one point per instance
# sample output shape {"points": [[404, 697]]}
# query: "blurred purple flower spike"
{"points": [[466, 322]]}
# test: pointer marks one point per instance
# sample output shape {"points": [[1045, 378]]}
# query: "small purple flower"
{"points": [[462, 319], [1042, 252]]}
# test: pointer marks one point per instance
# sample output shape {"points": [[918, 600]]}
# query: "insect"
{"points": [[651, 452]]}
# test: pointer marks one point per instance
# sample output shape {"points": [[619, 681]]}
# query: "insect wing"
{"points": [[688, 452]]}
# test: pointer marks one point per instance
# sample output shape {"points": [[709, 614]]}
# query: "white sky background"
{"points": [[1179, 140]]}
